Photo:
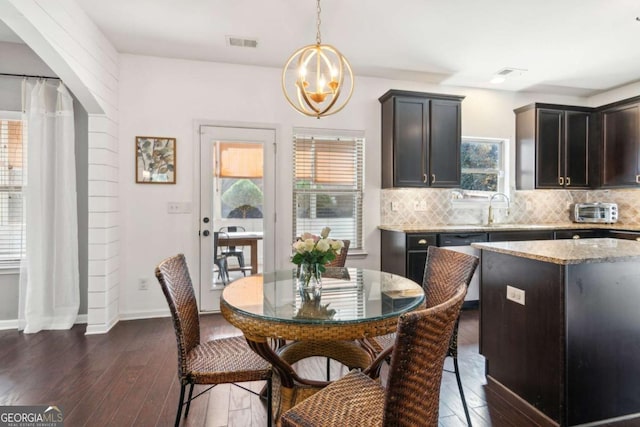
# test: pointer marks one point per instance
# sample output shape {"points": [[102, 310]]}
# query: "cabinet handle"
{"points": [[561, 180], [422, 241], [433, 178], [424, 178], [637, 179], [575, 236], [637, 239], [568, 181]]}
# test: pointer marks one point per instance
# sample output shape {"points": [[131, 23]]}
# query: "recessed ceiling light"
{"points": [[497, 79]]}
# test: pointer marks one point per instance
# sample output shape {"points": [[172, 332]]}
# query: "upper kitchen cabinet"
{"points": [[621, 144], [421, 134], [552, 146]]}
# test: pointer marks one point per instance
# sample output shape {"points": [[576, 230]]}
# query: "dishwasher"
{"points": [[461, 242]]}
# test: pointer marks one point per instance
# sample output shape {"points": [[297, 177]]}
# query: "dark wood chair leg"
{"points": [[180, 403], [464, 401]]}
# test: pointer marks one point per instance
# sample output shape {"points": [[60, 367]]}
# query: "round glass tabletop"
{"points": [[347, 295]]}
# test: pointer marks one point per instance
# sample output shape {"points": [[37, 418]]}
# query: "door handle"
{"points": [[205, 233], [205, 219]]}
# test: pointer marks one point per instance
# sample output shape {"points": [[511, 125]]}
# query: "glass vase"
{"points": [[309, 276]]}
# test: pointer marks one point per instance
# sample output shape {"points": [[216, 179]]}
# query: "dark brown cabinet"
{"points": [[580, 234], [513, 236], [552, 146], [621, 145], [421, 135], [405, 253]]}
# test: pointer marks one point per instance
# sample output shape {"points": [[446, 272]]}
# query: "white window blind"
{"points": [[12, 166], [328, 185]]}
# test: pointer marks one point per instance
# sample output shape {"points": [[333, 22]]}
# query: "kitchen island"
{"points": [[560, 329]]}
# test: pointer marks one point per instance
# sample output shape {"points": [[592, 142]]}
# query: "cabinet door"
{"points": [[416, 261], [444, 144], [548, 148], [576, 157], [410, 138], [621, 132]]}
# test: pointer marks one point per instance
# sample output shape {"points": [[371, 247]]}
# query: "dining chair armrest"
{"points": [[373, 370]]}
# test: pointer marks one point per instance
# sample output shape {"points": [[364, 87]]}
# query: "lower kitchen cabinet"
{"points": [[405, 254], [580, 234], [627, 235]]}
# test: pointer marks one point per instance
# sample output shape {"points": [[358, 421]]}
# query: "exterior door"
{"points": [[237, 189]]}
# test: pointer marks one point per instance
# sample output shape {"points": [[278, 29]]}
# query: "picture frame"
{"points": [[155, 160]]}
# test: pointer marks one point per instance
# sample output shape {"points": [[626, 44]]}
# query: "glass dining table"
{"points": [[285, 325]]}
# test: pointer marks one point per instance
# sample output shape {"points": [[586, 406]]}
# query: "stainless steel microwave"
{"points": [[595, 212]]}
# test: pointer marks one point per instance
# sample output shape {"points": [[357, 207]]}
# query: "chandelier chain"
{"points": [[318, 38]]}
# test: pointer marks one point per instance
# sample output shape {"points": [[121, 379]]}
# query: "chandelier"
{"points": [[320, 87]]}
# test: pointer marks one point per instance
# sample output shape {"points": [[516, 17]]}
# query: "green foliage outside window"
{"points": [[244, 198], [480, 164]]}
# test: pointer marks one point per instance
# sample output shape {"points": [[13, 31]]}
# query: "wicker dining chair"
{"points": [[443, 267], [412, 394], [341, 258], [220, 361]]}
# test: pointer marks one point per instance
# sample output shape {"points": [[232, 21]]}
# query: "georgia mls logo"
{"points": [[31, 416]]}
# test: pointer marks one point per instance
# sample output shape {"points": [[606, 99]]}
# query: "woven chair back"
{"points": [[341, 258], [444, 270], [413, 388], [174, 278]]}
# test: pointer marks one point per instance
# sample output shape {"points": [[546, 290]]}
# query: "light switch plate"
{"points": [[179, 207], [515, 294]]}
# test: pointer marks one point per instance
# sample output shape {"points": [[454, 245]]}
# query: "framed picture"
{"points": [[155, 160]]}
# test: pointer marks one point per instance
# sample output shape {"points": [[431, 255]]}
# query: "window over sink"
{"points": [[483, 168]]}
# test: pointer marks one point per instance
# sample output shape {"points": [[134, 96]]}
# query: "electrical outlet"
{"points": [[515, 294], [419, 205], [395, 206], [528, 205], [143, 284]]}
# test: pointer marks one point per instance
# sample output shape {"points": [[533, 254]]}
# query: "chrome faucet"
{"points": [[490, 218]]}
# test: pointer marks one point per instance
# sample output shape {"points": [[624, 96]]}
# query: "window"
{"points": [[12, 132], [482, 165], [239, 179], [328, 183]]}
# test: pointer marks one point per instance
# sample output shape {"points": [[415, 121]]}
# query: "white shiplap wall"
{"points": [[73, 47]]}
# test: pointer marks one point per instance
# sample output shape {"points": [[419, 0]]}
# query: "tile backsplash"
{"points": [[416, 207]]}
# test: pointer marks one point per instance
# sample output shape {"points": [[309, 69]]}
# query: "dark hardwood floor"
{"points": [[128, 378]]}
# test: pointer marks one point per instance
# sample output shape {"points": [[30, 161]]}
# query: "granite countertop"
{"points": [[569, 251], [453, 228]]}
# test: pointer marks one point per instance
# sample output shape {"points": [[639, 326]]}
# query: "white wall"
{"points": [[63, 36], [164, 97]]}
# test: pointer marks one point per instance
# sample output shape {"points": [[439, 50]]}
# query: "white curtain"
{"points": [[49, 278]]}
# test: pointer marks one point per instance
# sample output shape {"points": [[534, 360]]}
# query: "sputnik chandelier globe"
{"points": [[323, 82]]}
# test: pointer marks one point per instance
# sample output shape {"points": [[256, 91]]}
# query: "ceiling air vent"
{"points": [[502, 75], [234, 41]]}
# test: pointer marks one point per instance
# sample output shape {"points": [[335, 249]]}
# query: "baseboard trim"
{"points": [[8, 324], [148, 314], [13, 323], [519, 404]]}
